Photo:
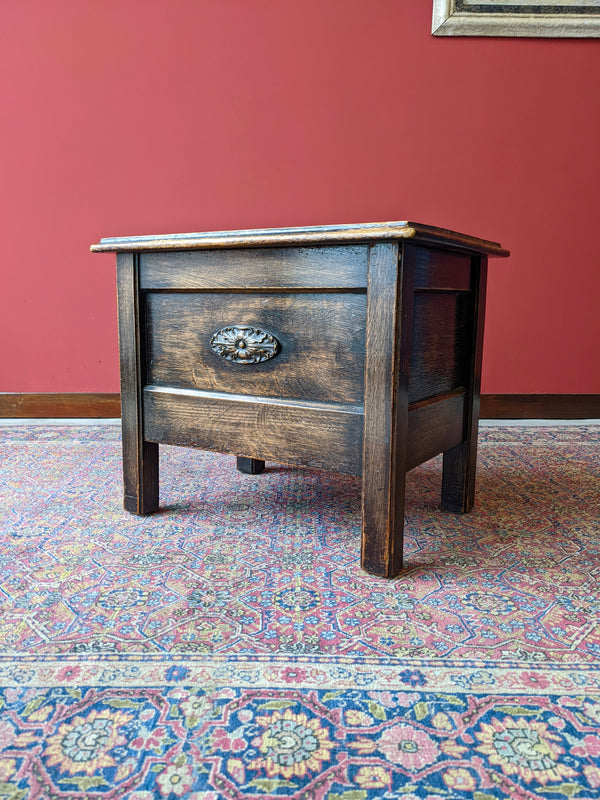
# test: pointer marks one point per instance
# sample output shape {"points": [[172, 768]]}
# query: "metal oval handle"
{"points": [[243, 344]]}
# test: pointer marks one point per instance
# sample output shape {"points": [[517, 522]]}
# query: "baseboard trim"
{"points": [[540, 406], [103, 406], [59, 406]]}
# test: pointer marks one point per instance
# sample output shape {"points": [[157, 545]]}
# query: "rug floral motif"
{"points": [[231, 647]]}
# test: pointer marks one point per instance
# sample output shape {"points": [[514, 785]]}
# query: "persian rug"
{"points": [[231, 647]]}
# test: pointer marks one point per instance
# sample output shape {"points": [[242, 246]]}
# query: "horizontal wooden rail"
{"points": [[256, 427], [434, 426]]}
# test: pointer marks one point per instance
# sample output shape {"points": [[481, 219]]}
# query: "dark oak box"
{"points": [[355, 348]]}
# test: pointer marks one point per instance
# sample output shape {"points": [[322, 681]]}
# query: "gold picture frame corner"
{"points": [[447, 21]]}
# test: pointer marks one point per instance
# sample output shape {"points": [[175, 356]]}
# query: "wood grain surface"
{"points": [[440, 353], [388, 328], [275, 268], [322, 338], [439, 270], [434, 425], [306, 434]]}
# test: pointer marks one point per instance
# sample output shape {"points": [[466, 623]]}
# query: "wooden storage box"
{"points": [[355, 348]]}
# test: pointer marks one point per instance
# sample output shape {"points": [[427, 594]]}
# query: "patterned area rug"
{"points": [[231, 647]]}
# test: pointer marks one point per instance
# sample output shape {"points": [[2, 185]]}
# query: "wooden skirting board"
{"points": [[59, 406], [104, 406], [540, 406]]}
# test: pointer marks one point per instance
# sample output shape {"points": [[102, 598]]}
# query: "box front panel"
{"points": [[193, 341]]}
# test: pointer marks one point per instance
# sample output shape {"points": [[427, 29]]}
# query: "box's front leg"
{"points": [[140, 458], [388, 332]]}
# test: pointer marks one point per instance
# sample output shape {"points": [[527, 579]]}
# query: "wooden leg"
{"points": [[383, 520], [140, 458], [458, 478], [250, 466], [388, 332], [140, 477], [460, 462]]}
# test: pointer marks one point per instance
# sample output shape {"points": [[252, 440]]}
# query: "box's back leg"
{"points": [[250, 466], [459, 467]]}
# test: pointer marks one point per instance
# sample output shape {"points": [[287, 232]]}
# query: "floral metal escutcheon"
{"points": [[244, 345]]}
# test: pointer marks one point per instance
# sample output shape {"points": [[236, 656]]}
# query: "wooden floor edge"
{"points": [[106, 406]]}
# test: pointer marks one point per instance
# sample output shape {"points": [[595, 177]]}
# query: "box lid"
{"points": [[320, 234]]}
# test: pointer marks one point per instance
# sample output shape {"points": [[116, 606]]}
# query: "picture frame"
{"points": [[552, 18]]}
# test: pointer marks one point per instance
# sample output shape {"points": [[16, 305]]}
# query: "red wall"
{"points": [[126, 117]]}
